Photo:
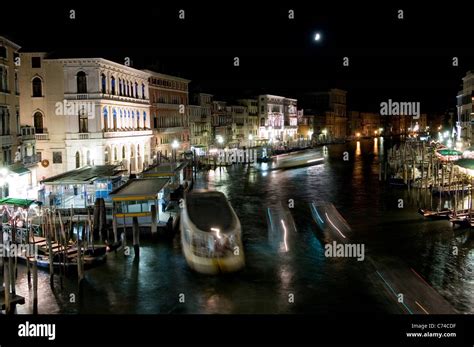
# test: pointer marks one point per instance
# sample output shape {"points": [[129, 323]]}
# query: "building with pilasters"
{"points": [[85, 111]]}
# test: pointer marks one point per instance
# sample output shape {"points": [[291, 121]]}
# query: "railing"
{"points": [[109, 134], [42, 137], [31, 159], [6, 140], [89, 96]]}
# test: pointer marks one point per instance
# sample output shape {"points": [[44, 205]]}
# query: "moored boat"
{"points": [[211, 233]]}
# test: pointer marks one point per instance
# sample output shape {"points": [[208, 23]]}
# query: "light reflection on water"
{"points": [[153, 284]]}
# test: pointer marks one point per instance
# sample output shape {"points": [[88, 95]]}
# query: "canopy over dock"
{"points": [[139, 189]]}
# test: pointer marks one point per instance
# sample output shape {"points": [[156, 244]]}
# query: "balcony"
{"points": [[96, 96], [43, 136], [132, 133], [6, 140], [27, 133], [31, 160]]}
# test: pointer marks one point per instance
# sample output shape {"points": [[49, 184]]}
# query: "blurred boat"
{"points": [[211, 233], [296, 160]]}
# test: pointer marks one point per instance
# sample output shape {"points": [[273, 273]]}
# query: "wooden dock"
{"points": [[14, 300]]}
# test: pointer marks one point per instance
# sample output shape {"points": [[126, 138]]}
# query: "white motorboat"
{"points": [[211, 233], [296, 160]]}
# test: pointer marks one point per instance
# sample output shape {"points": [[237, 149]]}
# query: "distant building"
{"points": [[200, 128], [329, 110], [250, 128], [169, 101], [465, 110], [221, 124], [278, 118], [364, 124]]}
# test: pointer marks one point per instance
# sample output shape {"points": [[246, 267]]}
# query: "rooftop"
{"points": [[85, 175], [146, 188]]}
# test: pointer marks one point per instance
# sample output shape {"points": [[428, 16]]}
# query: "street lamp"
{"points": [[250, 140], [175, 146]]}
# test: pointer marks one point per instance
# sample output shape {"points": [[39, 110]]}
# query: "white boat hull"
{"points": [[200, 247]]}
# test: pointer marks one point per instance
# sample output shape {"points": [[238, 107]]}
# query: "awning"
{"points": [[19, 169], [139, 189], [85, 175], [18, 202]]}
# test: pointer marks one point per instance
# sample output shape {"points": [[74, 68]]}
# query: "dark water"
{"points": [[318, 284]]}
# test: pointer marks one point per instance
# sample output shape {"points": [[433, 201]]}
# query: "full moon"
{"points": [[317, 37]]}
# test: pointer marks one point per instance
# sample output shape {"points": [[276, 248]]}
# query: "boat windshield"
{"points": [[210, 211]]}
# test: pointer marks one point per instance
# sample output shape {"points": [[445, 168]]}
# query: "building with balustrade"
{"points": [[169, 100], [18, 158], [85, 111], [278, 118]]}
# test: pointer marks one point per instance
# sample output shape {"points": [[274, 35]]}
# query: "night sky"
{"points": [[405, 60]]}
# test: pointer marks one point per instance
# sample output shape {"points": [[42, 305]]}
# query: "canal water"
{"points": [[297, 278]]}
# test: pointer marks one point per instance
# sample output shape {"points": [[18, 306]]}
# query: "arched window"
{"points": [[128, 88], [123, 152], [115, 154], [114, 113], [78, 160], [120, 87], [112, 85], [143, 91], [81, 80], [106, 119], [138, 120], [133, 120], [103, 82], [88, 157], [83, 121], [121, 119], [144, 120], [106, 155], [38, 122], [37, 87], [136, 90]]}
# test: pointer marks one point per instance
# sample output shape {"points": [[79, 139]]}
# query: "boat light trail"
{"points": [[416, 302], [335, 227], [284, 234], [313, 160], [317, 214], [396, 296], [218, 232]]}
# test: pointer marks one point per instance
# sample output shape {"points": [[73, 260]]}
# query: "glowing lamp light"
{"points": [[250, 137], [175, 144], [358, 134], [317, 37]]}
